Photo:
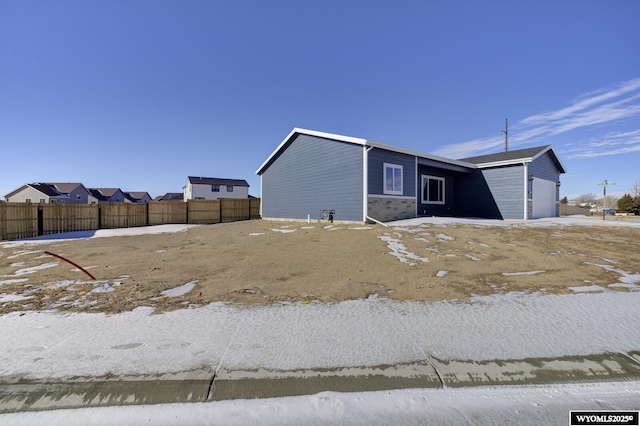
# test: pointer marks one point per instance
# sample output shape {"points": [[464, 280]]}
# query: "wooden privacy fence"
{"points": [[24, 220]]}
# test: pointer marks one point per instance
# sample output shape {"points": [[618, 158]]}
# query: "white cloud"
{"points": [[600, 107]]}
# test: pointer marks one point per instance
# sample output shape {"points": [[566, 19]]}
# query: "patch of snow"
{"points": [[256, 233], [22, 253], [360, 228], [400, 251], [587, 289], [180, 291], [34, 269], [444, 237], [12, 297], [284, 231], [17, 280], [472, 257], [511, 274], [442, 273], [104, 288], [100, 233]]}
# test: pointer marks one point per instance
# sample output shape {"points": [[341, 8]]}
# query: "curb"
{"points": [[24, 394]]}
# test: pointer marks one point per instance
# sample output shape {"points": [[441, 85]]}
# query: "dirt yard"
{"points": [[266, 262]]}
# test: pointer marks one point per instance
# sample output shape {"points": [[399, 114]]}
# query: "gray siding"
{"points": [[495, 193], [377, 158], [506, 185], [313, 174], [545, 168]]}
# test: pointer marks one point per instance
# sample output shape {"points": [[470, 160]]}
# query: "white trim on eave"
{"points": [[358, 141], [299, 131]]}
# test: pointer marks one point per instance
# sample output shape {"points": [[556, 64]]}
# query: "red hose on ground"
{"points": [[68, 261]]}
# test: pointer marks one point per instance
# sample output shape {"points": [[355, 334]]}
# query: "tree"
{"points": [[564, 200], [626, 204], [586, 198]]}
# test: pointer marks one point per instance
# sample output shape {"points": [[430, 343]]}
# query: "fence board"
{"points": [[19, 220], [161, 212], [122, 215], [57, 218], [24, 220], [233, 209], [203, 212]]}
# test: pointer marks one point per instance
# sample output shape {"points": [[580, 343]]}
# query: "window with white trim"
{"points": [[392, 179], [229, 188], [432, 190], [215, 188]]}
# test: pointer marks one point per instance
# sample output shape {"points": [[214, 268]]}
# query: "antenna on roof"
{"points": [[506, 135]]}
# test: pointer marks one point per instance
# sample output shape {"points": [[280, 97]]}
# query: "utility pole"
{"points": [[604, 196], [506, 135]]}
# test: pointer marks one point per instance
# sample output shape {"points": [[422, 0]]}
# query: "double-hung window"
{"points": [[392, 179], [215, 188], [432, 190]]}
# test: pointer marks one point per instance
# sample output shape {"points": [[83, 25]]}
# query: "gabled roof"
{"points": [[136, 195], [358, 141], [65, 187], [105, 192], [48, 189], [518, 156], [170, 196], [194, 180]]}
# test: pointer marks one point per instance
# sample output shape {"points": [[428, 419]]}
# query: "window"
{"points": [[78, 196], [215, 188], [229, 188], [432, 190], [392, 179]]}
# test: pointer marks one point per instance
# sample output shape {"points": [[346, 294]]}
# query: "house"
{"points": [[170, 196], [108, 195], [205, 188], [314, 174], [137, 197], [51, 192]]}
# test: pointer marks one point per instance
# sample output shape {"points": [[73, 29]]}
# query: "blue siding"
{"points": [[376, 159], [446, 209], [313, 174]]}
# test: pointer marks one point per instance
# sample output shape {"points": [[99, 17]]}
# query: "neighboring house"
{"points": [[312, 173], [138, 197], [108, 195], [51, 192], [171, 197], [204, 188]]}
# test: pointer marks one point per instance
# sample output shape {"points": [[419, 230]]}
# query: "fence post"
{"points": [[40, 220]]}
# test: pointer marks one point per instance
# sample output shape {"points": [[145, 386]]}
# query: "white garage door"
{"points": [[544, 198]]}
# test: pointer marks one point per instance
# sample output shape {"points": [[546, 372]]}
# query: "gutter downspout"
{"points": [[365, 182], [525, 167], [261, 199]]}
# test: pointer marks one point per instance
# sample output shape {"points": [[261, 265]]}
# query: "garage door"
{"points": [[544, 198]]}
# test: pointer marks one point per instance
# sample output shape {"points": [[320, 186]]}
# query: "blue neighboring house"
{"points": [[311, 173]]}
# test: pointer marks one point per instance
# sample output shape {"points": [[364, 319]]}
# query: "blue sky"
{"points": [[141, 94]]}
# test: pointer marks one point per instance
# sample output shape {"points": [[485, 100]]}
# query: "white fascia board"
{"points": [[297, 130], [516, 161], [421, 154]]}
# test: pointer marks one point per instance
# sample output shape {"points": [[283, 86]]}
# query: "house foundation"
{"points": [[386, 209]]}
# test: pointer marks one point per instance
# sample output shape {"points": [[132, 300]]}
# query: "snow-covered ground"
{"points": [[370, 332]]}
